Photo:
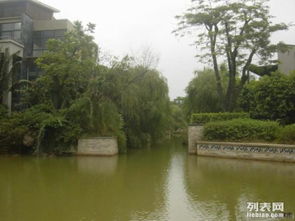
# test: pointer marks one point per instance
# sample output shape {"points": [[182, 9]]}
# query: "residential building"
{"points": [[25, 27], [287, 60]]}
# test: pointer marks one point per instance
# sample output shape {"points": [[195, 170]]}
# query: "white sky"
{"points": [[126, 26]]}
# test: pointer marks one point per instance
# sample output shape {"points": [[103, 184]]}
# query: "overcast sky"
{"points": [[124, 27]]}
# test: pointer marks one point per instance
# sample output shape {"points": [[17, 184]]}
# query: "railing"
{"points": [[9, 35]]}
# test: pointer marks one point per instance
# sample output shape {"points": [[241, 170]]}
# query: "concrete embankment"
{"points": [[98, 146], [255, 151]]}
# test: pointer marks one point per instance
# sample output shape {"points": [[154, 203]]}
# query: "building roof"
{"points": [[32, 1]]}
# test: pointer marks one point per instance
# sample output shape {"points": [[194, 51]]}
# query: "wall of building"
{"points": [[10, 20], [27, 35], [61, 24], [100, 146], [11, 29], [287, 60], [38, 13], [29, 17], [36, 10], [12, 9]]}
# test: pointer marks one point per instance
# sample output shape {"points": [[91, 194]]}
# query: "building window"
{"points": [[11, 31], [40, 39], [11, 11]]}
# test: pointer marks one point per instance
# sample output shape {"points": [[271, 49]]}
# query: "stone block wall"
{"points": [[100, 146], [195, 133]]}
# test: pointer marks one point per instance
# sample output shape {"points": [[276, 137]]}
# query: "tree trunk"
{"points": [[216, 67]]}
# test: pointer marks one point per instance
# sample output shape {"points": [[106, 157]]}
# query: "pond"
{"points": [[160, 183]]}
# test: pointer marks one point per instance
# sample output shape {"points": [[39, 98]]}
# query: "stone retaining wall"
{"points": [[195, 133], [273, 152], [100, 146], [256, 151]]}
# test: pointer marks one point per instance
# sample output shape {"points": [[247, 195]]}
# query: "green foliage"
{"points": [[271, 98], [107, 121], [202, 118], [202, 94], [287, 134], [142, 99], [67, 67], [177, 120], [231, 32], [3, 111], [47, 129], [12, 133], [76, 97], [263, 70], [241, 130]]}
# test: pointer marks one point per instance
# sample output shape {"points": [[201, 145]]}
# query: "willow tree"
{"points": [[201, 93], [141, 95], [231, 31]]}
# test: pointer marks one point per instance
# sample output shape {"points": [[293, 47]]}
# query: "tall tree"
{"points": [[141, 94], [231, 31], [201, 93], [5, 73], [66, 68], [9, 67]]}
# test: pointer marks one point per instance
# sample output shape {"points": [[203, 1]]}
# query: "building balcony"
{"points": [[62, 24], [12, 46]]}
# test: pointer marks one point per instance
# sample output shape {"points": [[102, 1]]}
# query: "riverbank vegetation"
{"points": [[249, 130], [234, 33], [76, 96], [230, 37], [271, 98], [241, 130], [202, 118], [268, 104], [238, 126]]}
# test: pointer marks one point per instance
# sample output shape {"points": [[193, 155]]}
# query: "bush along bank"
{"points": [[203, 118], [287, 134], [249, 130]]}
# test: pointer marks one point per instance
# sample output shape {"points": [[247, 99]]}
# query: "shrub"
{"points": [[46, 129], [3, 111], [287, 134], [202, 118], [271, 98], [241, 130], [11, 134]]}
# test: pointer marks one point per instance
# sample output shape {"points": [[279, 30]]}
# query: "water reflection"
{"points": [[178, 205], [163, 184], [221, 188], [95, 165], [130, 187]]}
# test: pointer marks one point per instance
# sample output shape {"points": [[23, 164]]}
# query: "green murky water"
{"points": [[161, 183]]}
